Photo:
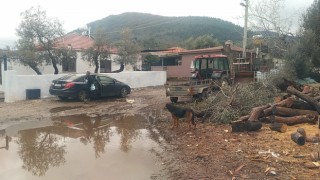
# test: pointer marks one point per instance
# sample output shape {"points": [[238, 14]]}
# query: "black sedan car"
{"points": [[73, 86]]}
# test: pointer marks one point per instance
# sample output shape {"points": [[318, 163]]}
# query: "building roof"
{"points": [[206, 50], [76, 41], [165, 52], [212, 50]]}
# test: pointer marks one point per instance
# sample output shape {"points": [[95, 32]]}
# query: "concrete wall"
{"points": [[15, 85], [26, 70], [2, 74], [137, 79]]}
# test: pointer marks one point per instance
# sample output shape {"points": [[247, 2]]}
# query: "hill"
{"points": [[160, 31]]}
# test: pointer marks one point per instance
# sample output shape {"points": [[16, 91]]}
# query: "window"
{"points": [[69, 65], [105, 80], [105, 66]]}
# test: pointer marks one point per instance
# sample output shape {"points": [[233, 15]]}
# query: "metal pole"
{"points": [[245, 29]]}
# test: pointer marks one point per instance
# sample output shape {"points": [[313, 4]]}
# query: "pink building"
{"points": [[181, 68]]}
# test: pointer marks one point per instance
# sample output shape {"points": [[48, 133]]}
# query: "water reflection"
{"points": [[127, 127], [41, 148]]}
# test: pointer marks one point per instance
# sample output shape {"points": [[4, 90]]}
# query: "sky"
{"points": [[77, 13]]}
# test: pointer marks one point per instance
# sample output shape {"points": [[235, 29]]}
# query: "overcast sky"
{"points": [[77, 13]]}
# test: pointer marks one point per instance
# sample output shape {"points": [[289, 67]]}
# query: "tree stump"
{"points": [[298, 138]]}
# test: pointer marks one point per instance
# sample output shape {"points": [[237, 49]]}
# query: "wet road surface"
{"points": [[117, 146]]}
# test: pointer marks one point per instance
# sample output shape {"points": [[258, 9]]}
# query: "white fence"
{"points": [[260, 76], [15, 86]]}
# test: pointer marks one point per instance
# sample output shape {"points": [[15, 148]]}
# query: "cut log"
{"points": [[283, 111], [280, 127], [242, 118], [298, 138], [309, 99], [313, 139], [241, 126], [292, 120], [302, 105], [267, 112], [290, 102], [253, 125], [266, 119], [302, 132], [237, 126], [256, 112], [286, 102]]}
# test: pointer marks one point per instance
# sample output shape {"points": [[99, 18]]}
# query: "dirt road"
{"points": [[209, 152]]}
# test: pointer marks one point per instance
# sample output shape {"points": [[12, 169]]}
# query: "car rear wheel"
{"points": [[82, 95], [174, 99], [63, 98], [123, 92]]}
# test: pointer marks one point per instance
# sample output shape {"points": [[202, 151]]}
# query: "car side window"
{"points": [[105, 80], [80, 79]]}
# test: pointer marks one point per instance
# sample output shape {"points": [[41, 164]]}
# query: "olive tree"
{"points": [[99, 51], [37, 34], [128, 48]]}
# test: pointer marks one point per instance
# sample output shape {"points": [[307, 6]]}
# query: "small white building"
{"points": [[75, 42]]}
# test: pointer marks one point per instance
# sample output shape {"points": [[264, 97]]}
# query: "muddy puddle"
{"points": [[82, 147]]}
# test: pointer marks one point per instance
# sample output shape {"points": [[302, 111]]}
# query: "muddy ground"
{"points": [[209, 152]]}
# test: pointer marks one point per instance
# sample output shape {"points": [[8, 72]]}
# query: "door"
{"points": [[105, 66], [108, 86]]}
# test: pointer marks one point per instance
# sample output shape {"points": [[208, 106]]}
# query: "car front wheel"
{"points": [[123, 92]]}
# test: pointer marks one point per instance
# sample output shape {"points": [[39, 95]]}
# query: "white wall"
{"points": [[2, 74], [15, 85], [136, 79], [23, 70]]}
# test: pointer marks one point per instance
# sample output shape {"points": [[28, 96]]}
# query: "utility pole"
{"points": [[244, 45]]}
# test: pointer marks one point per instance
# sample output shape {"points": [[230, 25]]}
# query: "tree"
{"points": [[99, 51], [204, 41], [128, 48], [305, 55], [27, 55], [38, 33], [150, 43], [265, 18]]}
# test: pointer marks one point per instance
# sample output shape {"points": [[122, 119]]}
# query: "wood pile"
{"points": [[297, 107]]}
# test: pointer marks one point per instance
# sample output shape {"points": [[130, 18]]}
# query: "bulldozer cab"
{"points": [[210, 67]]}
